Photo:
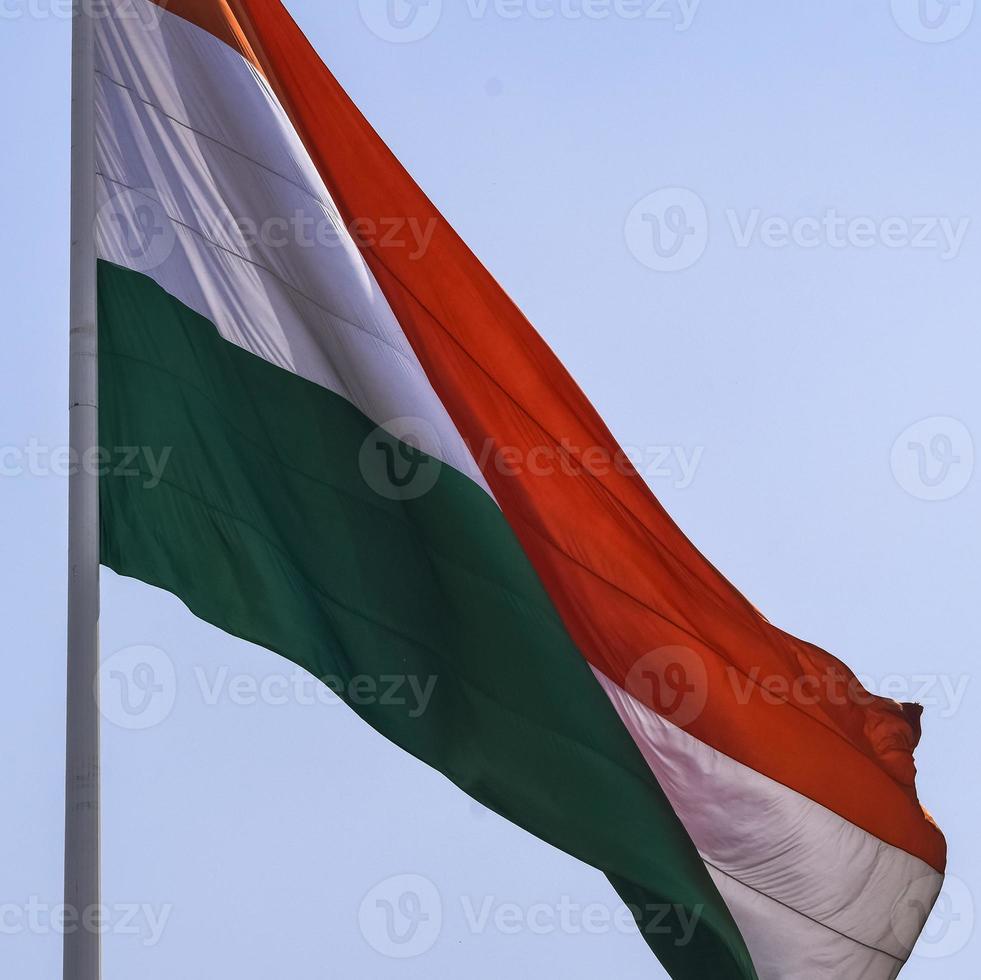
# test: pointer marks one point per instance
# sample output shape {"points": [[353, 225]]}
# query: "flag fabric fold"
{"points": [[337, 402]]}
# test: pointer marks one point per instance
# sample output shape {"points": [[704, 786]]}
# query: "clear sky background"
{"points": [[783, 362]]}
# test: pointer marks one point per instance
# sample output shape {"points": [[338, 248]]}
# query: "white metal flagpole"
{"points": [[82, 945]]}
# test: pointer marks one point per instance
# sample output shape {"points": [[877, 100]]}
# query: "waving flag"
{"points": [[376, 468]]}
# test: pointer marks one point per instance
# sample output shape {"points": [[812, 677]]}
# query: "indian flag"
{"points": [[376, 467]]}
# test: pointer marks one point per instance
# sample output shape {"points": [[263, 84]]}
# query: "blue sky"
{"points": [[750, 231]]}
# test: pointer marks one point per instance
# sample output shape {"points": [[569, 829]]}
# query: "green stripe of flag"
{"points": [[269, 524]]}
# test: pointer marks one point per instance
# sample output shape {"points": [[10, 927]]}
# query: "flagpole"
{"points": [[82, 943]]}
